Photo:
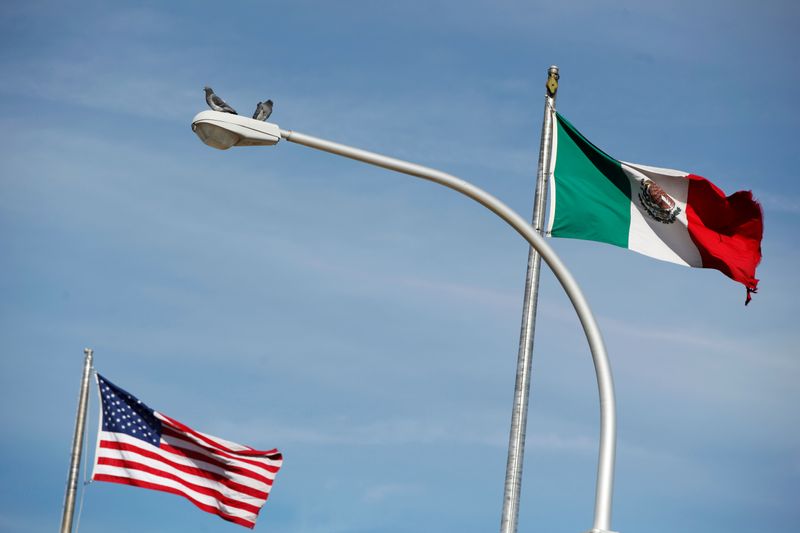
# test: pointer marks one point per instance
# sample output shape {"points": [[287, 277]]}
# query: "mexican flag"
{"points": [[666, 214]]}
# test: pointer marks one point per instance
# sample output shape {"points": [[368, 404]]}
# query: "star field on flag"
{"points": [[123, 413]]}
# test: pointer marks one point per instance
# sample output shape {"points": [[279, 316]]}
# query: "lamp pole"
{"points": [[222, 130]]}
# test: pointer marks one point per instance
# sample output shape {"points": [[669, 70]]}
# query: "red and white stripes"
{"points": [[218, 476]]}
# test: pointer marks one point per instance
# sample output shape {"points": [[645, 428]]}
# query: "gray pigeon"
{"points": [[216, 103], [263, 110]]}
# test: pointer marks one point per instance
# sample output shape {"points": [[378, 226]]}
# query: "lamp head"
{"points": [[215, 136], [223, 130]]}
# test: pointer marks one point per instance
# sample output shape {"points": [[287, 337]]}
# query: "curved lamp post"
{"points": [[224, 130]]}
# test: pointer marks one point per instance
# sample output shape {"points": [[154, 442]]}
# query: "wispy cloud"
{"points": [[701, 341], [469, 294], [480, 429], [141, 79], [100, 84], [385, 491], [783, 203], [24, 524], [383, 432]]}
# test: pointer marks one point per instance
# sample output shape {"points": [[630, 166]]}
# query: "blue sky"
{"points": [[364, 322]]}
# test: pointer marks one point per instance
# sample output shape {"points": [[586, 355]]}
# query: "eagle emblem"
{"points": [[657, 203]]}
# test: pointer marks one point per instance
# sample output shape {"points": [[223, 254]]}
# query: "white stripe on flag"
{"points": [[228, 464], [187, 442], [133, 455], [189, 493], [666, 241]]}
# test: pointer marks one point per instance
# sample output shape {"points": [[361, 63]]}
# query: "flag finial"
{"points": [[552, 81]]}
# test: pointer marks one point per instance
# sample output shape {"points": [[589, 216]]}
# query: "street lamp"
{"points": [[223, 130]]}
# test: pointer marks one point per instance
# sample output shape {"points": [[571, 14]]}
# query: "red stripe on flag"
{"points": [[209, 458], [196, 471], [173, 433], [154, 486], [217, 495], [726, 230], [216, 445]]}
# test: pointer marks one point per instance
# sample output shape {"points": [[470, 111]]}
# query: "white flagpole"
{"points": [[77, 445], [519, 414]]}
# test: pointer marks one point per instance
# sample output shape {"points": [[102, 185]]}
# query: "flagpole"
{"points": [[77, 445], [519, 414]]}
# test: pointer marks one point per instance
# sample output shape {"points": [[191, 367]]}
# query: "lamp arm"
{"points": [[605, 382]]}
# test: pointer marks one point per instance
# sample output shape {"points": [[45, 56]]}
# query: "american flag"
{"points": [[142, 447]]}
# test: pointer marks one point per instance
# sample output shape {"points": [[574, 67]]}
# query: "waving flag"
{"points": [[662, 213], [144, 448]]}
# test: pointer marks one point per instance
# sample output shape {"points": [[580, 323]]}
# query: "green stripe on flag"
{"points": [[592, 192]]}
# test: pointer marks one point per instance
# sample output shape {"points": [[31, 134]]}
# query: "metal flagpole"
{"points": [[77, 445], [519, 414]]}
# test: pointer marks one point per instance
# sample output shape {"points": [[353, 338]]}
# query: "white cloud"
{"points": [[479, 429], [101, 85], [385, 491]]}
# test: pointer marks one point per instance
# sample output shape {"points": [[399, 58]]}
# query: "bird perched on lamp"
{"points": [[216, 103], [263, 110]]}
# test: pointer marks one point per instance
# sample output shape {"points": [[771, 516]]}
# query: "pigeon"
{"points": [[216, 103], [263, 110]]}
